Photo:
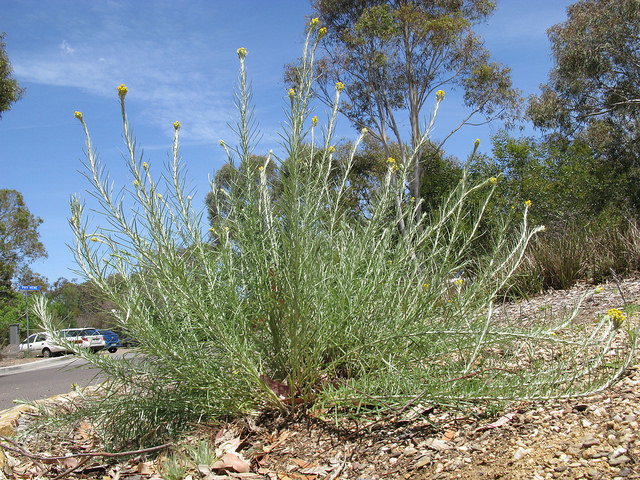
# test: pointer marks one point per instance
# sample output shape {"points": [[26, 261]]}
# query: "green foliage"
{"points": [[12, 310], [291, 302], [79, 304], [594, 88], [19, 239], [10, 91]]}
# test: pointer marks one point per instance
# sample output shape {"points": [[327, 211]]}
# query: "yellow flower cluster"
{"points": [[616, 316], [314, 22], [292, 93], [331, 149], [392, 164], [314, 121], [145, 165], [176, 125], [322, 32], [364, 130], [122, 91], [440, 95], [458, 282], [528, 203], [78, 115], [339, 86], [476, 144], [493, 180], [261, 168], [242, 53]]}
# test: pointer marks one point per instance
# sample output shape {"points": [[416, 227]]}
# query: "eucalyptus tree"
{"points": [[10, 91], [593, 92], [395, 57]]}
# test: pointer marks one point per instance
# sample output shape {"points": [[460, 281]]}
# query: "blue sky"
{"points": [[178, 60]]}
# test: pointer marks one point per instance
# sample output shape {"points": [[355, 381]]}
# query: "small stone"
{"points": [[560, 469], [422, 461], [437, 445], [617, 452], [589, 442], [586, 423], [621, 460], [409, 451], [521, 453], [593, 473]]}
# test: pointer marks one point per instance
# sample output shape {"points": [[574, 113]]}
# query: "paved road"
{"points": [[44, 378]]}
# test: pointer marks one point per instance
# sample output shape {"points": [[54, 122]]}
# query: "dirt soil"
{"points": [[592, 438]]}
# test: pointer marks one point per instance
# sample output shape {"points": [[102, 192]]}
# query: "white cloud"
{"points": [[65, 47]]}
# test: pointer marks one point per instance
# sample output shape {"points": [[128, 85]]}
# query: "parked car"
{"points": [[85, 337], [111, 340], [42, 343]]}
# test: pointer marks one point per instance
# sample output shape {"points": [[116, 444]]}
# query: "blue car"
{"points": [[111, 340]]}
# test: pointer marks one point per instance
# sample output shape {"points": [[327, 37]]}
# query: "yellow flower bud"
{"points": [[476, 144], [339, 86], [331, 149], [78, 115], [616, 317], [440, 95], [221, 142], [94, 239], [528, 203], [122, 91], [314, 121], [322, 32], [292, 93], [136, 183], [493, 180], [176, 125], [392, 164], [314, 22], [260, 168], [364, 131], [145, 165], [242, 53]]}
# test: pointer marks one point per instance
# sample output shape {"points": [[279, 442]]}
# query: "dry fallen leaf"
{"points": [[303, 463], [498, 423], [448, 435], [145, 468], [70, 462], [231, 461]]}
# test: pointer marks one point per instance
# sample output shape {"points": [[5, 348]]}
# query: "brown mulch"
{"points": [[594, 437]]}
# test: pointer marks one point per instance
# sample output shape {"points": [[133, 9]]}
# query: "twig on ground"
{"points": [[18, 449]]}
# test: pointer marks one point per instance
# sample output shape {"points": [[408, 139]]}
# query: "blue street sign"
{"points": [[29, 288]]}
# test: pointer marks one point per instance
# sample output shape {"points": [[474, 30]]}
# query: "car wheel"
{"points": [[113, 349], [46, 353]]}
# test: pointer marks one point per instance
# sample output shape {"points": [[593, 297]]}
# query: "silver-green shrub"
{"points": [[289, 301]]}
